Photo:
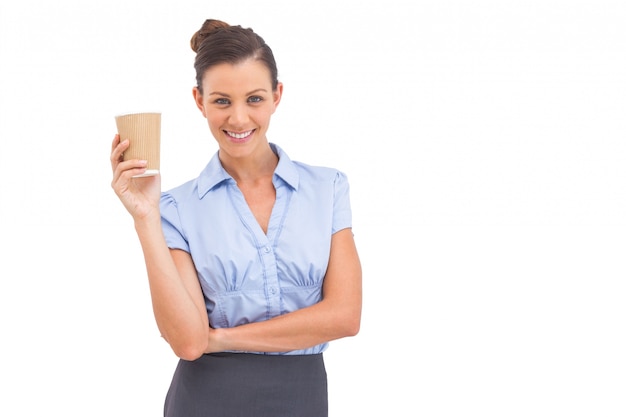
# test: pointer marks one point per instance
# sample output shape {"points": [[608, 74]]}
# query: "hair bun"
{"points": [[208, 27]]}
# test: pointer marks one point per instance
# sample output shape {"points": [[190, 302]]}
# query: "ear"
{"points": [[277, 94], [197, 97]]}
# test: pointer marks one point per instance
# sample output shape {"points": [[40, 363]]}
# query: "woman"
{"points": [[252, 266]]}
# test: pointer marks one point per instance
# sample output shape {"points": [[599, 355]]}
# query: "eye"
{"points": [[221, 101], [255, 99]]}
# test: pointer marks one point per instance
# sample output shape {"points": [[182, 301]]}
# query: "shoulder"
{"points": [[182, 190], [317, 171], [306, 172], [211, 176]]}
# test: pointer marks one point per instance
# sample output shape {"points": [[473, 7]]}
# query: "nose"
{"points": [[238, 115]]}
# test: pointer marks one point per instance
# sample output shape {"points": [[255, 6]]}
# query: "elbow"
{"points": [[345, 319], [188, 352], [353, 327], [190, 349], [351, 324]]}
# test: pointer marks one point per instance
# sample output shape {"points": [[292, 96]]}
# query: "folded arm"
{"points": [[337, 315]]}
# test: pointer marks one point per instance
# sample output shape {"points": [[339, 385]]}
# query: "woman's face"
{"points": [[238, 102]]}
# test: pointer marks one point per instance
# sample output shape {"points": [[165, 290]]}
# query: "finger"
{"points": [[117, 150], [127, 169], [123, 175], [116, 141]]}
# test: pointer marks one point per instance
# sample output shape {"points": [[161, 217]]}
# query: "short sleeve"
{"points": [[171, 224], [342, 212]]}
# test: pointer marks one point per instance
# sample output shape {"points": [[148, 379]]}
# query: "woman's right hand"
{"points": [[140, 196]]}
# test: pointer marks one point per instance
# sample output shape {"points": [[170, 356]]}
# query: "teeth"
{"points": [[239, 135]]}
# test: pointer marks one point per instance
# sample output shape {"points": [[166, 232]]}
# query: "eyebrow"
{"points": [[226, 95]]}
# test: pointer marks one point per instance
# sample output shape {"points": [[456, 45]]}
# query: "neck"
{"points": [[253, 167]]}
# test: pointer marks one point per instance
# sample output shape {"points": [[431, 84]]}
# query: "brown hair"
{"points": [[217, 42]]}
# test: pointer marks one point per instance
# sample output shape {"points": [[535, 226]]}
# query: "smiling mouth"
{"points": [[241, 135]]}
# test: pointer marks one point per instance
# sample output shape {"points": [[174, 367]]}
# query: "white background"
{"points": [[485, 146]]}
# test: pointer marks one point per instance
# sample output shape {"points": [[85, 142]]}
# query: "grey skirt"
{"points": [[249, 385]]}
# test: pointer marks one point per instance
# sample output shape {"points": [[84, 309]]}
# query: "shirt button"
{"points": [[267, 249], [272, 290]]}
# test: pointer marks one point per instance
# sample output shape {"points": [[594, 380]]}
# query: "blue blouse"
{"points": [[247, 275]]}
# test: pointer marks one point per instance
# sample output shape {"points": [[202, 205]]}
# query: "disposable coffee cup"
{"points": [[143, 131]]}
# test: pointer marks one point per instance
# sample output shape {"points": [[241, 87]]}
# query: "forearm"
{"points": [[183, 323], [300, 329]]}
